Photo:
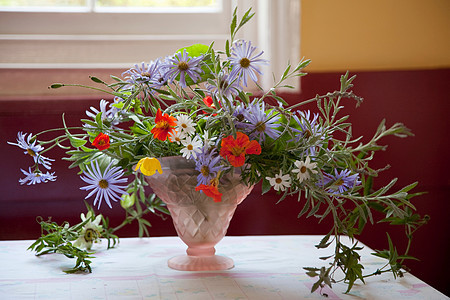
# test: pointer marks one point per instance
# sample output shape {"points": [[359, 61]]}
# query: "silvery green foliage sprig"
{"points": [[75, 241]]}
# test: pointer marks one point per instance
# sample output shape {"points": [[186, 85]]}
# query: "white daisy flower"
{"points": [[280, 182], [207, 140], [303, 167], [192, 147], [176, 136], [185, 124], [90, 233]]}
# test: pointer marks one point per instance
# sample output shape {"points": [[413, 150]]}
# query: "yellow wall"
{"points": [[375, 35]]}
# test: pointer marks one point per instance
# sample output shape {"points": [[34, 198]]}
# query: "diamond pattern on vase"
{"points": [[196, 217]]}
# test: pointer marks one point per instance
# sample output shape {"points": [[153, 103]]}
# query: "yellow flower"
{"points": [[148, 166]]}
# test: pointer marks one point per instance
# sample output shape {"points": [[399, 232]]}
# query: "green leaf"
{"points": [[368, 185], [85, 149], [233, 21], [97, 80], [381, 253], [316, 285], [227, 48], [76, 142], [98, 120], [116, 78], [324, 242], [194, 50], [56, 85], [128, 201], [304, 209], [136, 119], [265, 186]]}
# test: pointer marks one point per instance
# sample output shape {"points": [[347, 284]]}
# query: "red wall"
{"points": [[419, 99]]}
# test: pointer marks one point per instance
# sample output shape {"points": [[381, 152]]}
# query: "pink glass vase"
{"points": [[199, 221]]}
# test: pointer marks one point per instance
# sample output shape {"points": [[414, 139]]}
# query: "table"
{"points": [[266, 267]]}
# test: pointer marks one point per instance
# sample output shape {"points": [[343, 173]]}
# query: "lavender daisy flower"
{"points": [[33, 177], [104, 184], [238, 113], [32, 149], [109, 112], [340, 182], [207, 164], [93, 112], [103, 109], [164, 67], [145, 73], [245, 61], [261, 123], [226, 85], [309, 128], [114, 113], [182, 64]]}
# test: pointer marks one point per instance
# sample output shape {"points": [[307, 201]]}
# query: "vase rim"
{"points": [[166, 161]]}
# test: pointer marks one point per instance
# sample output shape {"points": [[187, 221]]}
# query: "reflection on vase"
{"points": [[199, 221]]}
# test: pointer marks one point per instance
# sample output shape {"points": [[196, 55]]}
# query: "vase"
{"points": [[199, 221]]}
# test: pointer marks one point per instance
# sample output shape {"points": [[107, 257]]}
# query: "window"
{"points": [[94, 35], [108, 5]]}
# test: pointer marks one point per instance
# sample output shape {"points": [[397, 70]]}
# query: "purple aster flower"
{"points": [[114, 113], [32, 149], [308, 129], [103, 109], [225, 85], [93, 112], [104, 183], [238, 112], [340, 182], [182, 64], [164, 67], [245, 62], [145, 73], [109, 112], [261, 122], [33, 177], [208, 165]]}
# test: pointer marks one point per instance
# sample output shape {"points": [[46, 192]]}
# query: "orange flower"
{"points": [[101, 142], [165, 124], [236, 149], [210, 190]]}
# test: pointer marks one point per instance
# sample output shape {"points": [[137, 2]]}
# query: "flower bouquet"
{"points": [[194, 104]]}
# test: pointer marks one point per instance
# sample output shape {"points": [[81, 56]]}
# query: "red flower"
{"points": [[101, 142], [165, 124], [235, 149], [210, 191], [209, 102]]}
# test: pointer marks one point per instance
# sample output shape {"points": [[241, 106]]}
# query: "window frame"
{"points": [[96, 44]]}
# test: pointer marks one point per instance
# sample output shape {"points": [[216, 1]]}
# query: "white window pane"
{"points": [[41, 3], [156, 3]]}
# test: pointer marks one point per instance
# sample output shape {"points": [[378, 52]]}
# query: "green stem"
{"points": [[128, 220], [90, 87], [56, 142], [55, 129]]}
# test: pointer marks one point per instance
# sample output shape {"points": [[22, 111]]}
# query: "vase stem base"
{"points": [[200, 263]]}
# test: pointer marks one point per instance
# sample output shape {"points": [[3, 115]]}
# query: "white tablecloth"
{"points": [[266, 267]]}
